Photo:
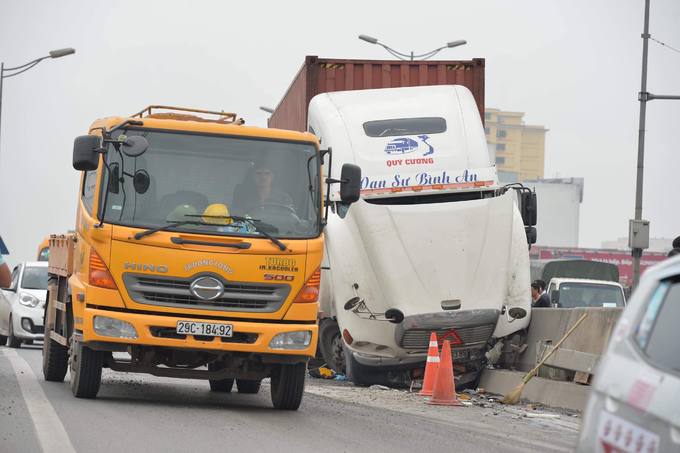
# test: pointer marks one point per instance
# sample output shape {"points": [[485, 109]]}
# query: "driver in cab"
{"points": [[260, 193]]}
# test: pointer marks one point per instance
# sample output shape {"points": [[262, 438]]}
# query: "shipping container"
{"points": [[321, 75]]}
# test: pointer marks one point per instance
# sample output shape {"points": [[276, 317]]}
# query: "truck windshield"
{"points": [[404, 126], [207, 178], [574, 295]]}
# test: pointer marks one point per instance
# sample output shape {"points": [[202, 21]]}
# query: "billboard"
{"points": [[621, 258]]}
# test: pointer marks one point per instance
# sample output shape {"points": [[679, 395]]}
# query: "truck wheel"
{"points": [[330, 344], [3, 340], [248, 385], [86, 370], [55, 360], [12, 341], [288, 386]]}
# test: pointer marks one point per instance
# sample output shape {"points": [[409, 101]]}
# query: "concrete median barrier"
{"points": [[576, 360]]}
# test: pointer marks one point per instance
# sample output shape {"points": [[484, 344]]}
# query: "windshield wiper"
{"points": [[254, 222], [168, 227]]}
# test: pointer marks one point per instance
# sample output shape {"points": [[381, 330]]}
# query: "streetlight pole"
{"points": [[6, 73], [638, 231], [411, 56]]}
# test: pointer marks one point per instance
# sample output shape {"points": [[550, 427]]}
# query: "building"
{"points": [[518, 149], [559, 207]]}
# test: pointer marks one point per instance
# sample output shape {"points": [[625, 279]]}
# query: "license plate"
{"points": [[458, 354], [212, 329], [616, 434]]}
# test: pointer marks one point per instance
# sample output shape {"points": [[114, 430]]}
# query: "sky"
{"points": [[573, 67]]}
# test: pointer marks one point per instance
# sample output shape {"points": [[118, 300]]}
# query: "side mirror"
{"points": [[133, 146], [85, 152], [350, 187], [394, 316], [532, 234], [114, 178], [529, 208], [517, 313], [141, 181], [555, 297]]}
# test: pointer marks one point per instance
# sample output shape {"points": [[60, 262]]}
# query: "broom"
{"points": [[516, 393]]}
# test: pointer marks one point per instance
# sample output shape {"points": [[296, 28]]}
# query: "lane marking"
{"points": [[49, 429]]}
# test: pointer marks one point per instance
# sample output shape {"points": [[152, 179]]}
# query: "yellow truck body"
{"points": [[112, 290]]}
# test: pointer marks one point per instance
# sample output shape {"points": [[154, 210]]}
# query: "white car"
{"points": [[580, 292], [634, 401], [22, 305]]}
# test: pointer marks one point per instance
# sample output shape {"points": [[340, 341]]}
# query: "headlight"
{"points": [[28, 300], [111, 327], [291, 340]]}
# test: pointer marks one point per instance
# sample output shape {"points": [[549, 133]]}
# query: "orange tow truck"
{"points": [[197, 251]]}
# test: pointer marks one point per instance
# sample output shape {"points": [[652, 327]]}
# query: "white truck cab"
{"points": [[434, 242], [580, 292]]}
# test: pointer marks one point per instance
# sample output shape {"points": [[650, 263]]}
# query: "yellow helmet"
{"points": [[216, 210]]}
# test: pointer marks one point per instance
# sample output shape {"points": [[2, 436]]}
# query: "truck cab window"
{"points": [[89, 185], [404, 126]]}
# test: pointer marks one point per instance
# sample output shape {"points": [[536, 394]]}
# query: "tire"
{"points": [[220, 385], [86, 370], [3, 340], [331, 346], [358, 374], [288, 386], [248, 385], [54, 355], [55, 360], [12, 341]]}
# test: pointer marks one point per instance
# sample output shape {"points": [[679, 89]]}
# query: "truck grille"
{"points": [[419, 339], [174, 292]]}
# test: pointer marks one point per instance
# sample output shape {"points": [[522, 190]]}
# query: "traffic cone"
{"points": [[431, 366], [444, 392]]}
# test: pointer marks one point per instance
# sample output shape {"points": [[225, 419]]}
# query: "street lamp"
{"points": [[267, 109], [6, 73], [411, 57]]}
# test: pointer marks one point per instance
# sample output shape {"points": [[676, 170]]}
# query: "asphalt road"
{"points": [[140, 413]]}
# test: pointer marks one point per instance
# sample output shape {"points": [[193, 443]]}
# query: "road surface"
{"points": [[141, 413]]}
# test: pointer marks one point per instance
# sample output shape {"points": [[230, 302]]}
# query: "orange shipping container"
{"points": [[321, 75]]}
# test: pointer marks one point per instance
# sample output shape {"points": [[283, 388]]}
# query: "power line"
{"points": [[664, 44]]}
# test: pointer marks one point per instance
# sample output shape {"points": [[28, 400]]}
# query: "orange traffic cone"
{"points": [[431, 366], [444, 392]]}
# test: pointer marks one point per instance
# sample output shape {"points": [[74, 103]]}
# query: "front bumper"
{"points": [[158, 330], [22, 315]]}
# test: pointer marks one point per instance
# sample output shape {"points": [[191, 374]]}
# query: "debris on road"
{"points": [[541, 415]]}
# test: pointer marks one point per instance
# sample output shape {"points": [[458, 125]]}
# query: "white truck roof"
{"points": [[561, 280], [401, 157]]}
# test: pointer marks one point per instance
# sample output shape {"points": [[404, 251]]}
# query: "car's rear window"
{"points": [[34, 278], [405, 126], [658, 334], [575, 294]]}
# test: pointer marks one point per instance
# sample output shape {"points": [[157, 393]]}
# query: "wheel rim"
{"points": [[338, 353]]}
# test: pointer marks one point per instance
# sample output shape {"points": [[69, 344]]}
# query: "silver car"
{"points": [[634, 404], [22, 305]]}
